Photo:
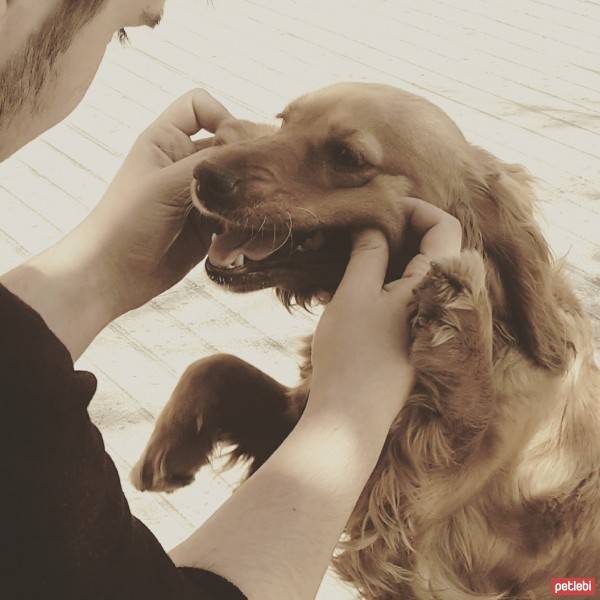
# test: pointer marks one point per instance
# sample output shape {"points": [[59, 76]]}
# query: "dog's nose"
{"points": [[214, 182]]}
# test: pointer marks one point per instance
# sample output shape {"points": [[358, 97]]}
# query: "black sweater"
{"points": [[66, 531]]}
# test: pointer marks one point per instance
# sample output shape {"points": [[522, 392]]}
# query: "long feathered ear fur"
{"points": [[499, 219]]}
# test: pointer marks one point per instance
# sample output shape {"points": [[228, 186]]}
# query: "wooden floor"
{"points": [[521, 78]]}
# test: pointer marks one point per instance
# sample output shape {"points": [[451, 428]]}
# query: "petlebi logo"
{"points": [[574, 586]]}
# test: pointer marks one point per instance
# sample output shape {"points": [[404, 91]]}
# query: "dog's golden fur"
{"points": [[489, 482]]}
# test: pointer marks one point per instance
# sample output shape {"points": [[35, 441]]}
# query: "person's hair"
{"points": [[28, 70]]}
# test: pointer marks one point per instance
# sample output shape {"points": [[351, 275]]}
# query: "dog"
{"points": [[489, 482]]}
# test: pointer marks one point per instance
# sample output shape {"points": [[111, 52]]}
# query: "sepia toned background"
{"points": [[521, 78]]}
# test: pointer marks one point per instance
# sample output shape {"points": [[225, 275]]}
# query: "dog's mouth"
{"points": [[275, 256]]}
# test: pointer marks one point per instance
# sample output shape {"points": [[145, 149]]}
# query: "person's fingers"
{"points": [[413, 274], [190, 246], [419, 266], [368, 264], [204, 226], [180, 174], [443, 240], [400, 293], [204, 143], [441, 232], [194, 111]]}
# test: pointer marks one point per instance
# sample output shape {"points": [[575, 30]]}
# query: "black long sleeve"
{"points": [[66, 531]]}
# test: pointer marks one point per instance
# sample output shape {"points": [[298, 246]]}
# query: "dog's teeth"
{"points": [[314, 242], [239, 261]]}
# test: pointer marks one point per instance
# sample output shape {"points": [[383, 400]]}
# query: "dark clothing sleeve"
{"points": [[66, 531]]}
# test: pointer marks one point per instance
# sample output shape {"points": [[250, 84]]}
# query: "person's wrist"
{"points": [[372, 402], [68, 288], [106, 287]]}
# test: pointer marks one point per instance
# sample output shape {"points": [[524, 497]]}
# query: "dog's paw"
{"points": [[450, 302], [151, 474], [172, 457]]}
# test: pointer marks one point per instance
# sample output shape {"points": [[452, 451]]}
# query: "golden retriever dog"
{"points": [[489, 483]]}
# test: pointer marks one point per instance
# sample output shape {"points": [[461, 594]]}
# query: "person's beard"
{"points": [[32, 67]]}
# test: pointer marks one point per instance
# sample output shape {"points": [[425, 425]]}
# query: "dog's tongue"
{"points": [[226, 247]]}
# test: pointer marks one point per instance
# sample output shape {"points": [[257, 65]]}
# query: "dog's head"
{"points": [[287, 200], [342, 160]]}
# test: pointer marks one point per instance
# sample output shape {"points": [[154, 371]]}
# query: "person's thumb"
{"points": [[191, 245], [365, 272]]}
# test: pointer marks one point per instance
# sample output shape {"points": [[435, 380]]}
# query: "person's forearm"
{"points": [[63, 284], [274, 538]]}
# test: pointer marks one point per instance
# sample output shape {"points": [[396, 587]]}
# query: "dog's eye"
{"points": [[345, 158]]}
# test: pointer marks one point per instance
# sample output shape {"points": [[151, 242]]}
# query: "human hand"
{"points": [[360, 349], [145, 234], [141, 239]]}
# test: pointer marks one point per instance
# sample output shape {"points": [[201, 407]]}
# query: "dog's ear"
{"points": [[502, 223]]}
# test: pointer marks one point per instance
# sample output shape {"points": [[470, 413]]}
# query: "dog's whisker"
{"points": [[264, 222], [310, 212], [291, 232], [284, 242]]}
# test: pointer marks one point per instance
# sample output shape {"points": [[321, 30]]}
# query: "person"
{"points": [[67, 531]]}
